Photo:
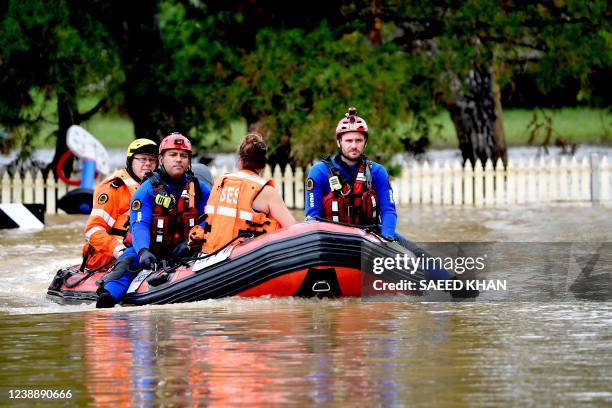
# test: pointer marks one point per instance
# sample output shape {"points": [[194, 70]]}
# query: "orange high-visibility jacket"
{"points": [[230, 209], [109, 219]]}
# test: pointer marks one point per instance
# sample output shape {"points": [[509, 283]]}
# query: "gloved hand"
{"points": [[118, 250], [146, 259], [196, 238], [181, 250]]}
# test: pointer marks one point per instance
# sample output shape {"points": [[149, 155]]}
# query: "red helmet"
{"points": [[175, 141], [351, 123]]}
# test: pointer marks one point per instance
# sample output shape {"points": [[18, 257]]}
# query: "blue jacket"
{"points": [[140, 219], [319, 188]]}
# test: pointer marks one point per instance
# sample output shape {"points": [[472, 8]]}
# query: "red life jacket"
{"points": [[352, 204], [172, 217]]}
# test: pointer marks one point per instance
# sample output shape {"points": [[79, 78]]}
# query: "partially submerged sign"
{"points": [[25, 216]]}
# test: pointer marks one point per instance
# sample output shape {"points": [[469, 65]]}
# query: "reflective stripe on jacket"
{"points": [[230, 210], [109, 219]]}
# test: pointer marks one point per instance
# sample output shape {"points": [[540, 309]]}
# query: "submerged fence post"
{"points": [[404, 185], [51, 201], [543, 191], [28, 188], [468, 184], [278, 180], [299, 188], [563, 181], [436, 198], [39, 188], [447, 184], [585, 180], [510, 183], [6, 188], [415, 184], [521, 182], [595, 178], [489, 175], [574, 196], [478, 189], [499, 183], [554, 180], [426, 188], [531, 181], [17, 188], [604, 170], [288, 187], [457, 184]]}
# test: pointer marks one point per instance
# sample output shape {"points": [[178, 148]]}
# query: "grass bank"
{"points": [[573, 125]]}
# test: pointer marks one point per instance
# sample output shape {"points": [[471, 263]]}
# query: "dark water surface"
{"points": [[310, 352]]}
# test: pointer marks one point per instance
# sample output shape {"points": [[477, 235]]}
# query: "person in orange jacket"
{"points": [[242, 202], [109, 220]]}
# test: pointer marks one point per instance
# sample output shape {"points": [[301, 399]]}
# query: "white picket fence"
{"points": [[542, 182], [37, 189]]}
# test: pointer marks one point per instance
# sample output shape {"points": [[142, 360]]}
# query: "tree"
{"points": [[288, 75], [52, 53], [473, 48]]}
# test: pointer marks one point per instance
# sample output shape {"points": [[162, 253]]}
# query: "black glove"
{"points": [[146, 259], [181, 250]]}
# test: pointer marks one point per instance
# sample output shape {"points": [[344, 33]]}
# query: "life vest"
{"points": [[352, 204], [229, 211], [108, 223], [173, 217]]}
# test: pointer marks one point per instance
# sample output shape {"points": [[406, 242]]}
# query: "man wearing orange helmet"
{"points": [[348, 187], [108, 222], [163, 211]]}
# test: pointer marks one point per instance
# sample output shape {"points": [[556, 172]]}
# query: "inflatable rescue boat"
{"points": [[309, 259]]}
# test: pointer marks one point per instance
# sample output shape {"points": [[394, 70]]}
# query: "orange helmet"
{"points": [[175, 141], [351, 123]]}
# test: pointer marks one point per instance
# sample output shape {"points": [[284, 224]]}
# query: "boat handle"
{"points": [[325, 288]]}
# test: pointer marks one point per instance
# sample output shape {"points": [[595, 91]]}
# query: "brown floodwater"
{"points": [[386, 352]]}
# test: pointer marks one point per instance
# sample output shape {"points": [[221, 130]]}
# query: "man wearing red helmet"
{"points": [[163, 211], [348, 187]]}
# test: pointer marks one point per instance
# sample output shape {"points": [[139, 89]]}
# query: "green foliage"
{"points": [[48, 48], [301, 83], [200, 71], [293, 76]]}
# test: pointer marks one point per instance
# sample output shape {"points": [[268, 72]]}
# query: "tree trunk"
{"points": [[498, 125], [477, 118], [137, 30], [67, 114], [375, 34]]}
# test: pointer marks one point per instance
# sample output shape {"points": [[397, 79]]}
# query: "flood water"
{"points": [[307, 351]]}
